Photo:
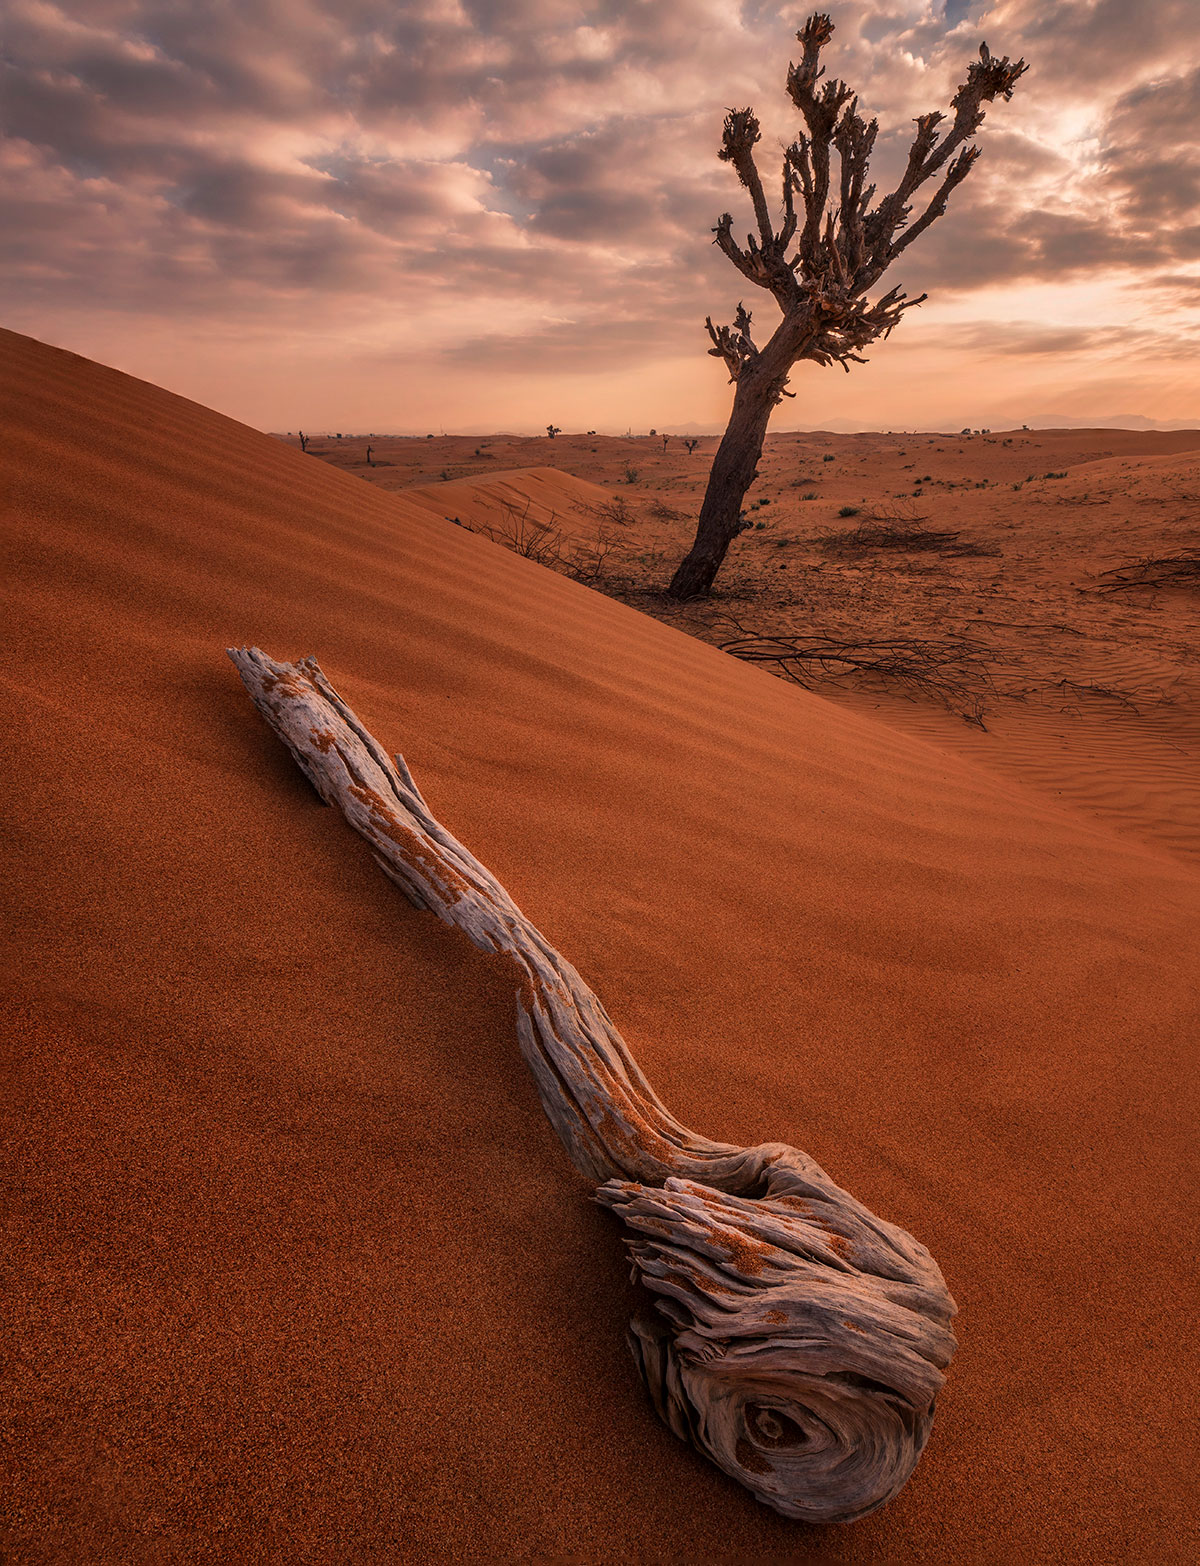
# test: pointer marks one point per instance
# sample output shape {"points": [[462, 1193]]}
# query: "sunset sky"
{"points": [[481, 215]]}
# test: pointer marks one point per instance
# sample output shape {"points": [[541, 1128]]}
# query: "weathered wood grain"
{"points": [[798, 1340]]}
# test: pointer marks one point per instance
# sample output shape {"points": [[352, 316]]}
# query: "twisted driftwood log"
{"points": [[798, 1341]]}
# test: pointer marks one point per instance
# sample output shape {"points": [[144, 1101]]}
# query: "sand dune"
{"points": [[296, 1270], [501, 503], [1091, 698]]}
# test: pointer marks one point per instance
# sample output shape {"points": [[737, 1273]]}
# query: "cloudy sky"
{"points": [[475, 215]]}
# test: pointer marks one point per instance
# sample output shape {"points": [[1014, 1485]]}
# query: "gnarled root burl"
{"points": [[798, 1340]]}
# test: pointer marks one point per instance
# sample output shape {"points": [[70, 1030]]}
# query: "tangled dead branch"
{"points": [[882, 530], [541, 542], [949, 669], [1152, 572]]}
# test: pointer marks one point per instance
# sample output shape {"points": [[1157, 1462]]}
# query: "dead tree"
{"points": [[798, 1340], [821, 259]]}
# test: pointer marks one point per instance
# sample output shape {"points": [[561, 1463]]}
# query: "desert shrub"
{"points": [[615, 512], [589, 557], [538, 541], [848, 511], [660, 511], [948, 669], [631, 474], [828, 457], [891, 527], [1153, 572]]}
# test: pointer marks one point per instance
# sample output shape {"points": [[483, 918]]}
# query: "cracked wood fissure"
{"points": [[798, 1340]]}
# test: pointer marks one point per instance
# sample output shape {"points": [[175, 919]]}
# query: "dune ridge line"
{"points": [[798, 1340]]}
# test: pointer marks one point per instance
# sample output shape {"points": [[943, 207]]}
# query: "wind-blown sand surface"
{"points": [[295, 1267], [1089, 696]]}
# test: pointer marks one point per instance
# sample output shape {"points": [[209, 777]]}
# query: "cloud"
{"points": [[474, 174]]}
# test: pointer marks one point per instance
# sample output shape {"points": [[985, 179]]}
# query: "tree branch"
{"points": [[799, 1341], [738, 138], [820, 109], [733, 343], [987, 79]]}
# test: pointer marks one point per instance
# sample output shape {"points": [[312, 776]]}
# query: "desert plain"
{"points": [[295, 1267]]}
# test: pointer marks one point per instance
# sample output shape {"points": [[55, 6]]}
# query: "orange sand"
{"points": [[296, 1269], [500, 505], [1092, 699]]}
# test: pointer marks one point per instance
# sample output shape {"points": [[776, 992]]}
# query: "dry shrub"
{"points": [[661, 512], [589, 557], [533, 540], [543, 543], [899, 528], [948, 668], [614, 512], [1153, 572], [891, 527]]}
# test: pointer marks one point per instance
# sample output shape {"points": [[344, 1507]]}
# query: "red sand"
{"points": [[1090, 698], [296, 1269], [501, 505]]}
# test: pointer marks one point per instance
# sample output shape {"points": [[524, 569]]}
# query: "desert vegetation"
{"points": [[843, 247], [962, 594], [1153, 573]]}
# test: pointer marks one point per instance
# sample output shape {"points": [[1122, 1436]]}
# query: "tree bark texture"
{"points": [[795, 1338], [733, 471]]}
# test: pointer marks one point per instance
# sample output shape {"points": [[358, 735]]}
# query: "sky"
{"points": [[486, 215]]}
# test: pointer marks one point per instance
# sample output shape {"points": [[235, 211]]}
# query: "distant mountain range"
{"points": [[1035, 421]]}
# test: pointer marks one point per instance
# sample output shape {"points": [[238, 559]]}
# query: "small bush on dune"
{"points": [[538, 541], [661, 512], [616, 512]]}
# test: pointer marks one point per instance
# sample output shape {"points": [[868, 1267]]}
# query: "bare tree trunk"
{"points": [[734, 469]]}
